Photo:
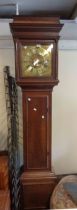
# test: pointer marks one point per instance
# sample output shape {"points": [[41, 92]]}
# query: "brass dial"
{"points": [[36, 60]]}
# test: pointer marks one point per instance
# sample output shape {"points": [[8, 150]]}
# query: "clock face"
{"points": [[36, 60]]}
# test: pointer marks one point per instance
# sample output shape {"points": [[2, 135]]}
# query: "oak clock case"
{"points": [[36, 58]]}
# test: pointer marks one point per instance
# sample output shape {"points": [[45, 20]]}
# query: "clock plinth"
{"points": [[36, 56], [37, 188]]}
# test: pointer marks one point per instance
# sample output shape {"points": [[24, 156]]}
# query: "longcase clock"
{"points": [[36, 56]]}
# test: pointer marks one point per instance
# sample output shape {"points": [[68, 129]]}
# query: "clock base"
{"points": [[36, 189]]}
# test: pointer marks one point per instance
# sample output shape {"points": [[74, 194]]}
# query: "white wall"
{"points": [[65, 115], [64, 137]]}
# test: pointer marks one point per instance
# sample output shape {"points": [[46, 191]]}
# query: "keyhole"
{"points": [[43, 116], [29, 99]]}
